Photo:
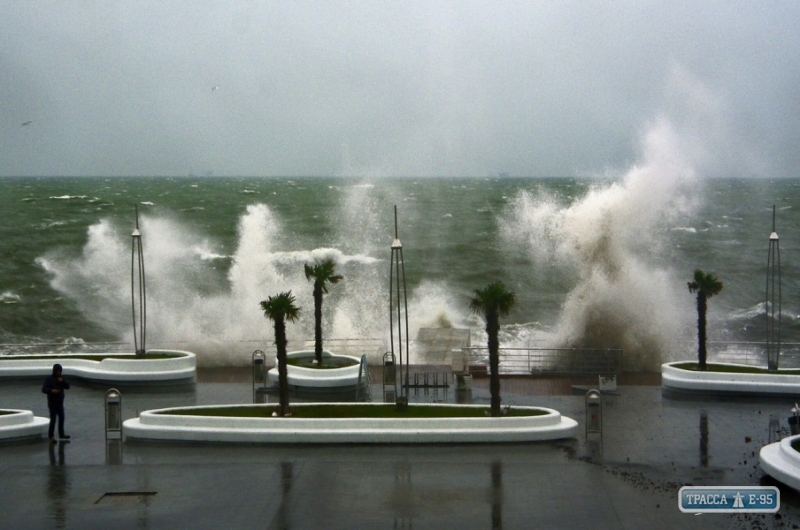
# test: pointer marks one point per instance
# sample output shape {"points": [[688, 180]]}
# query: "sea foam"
{"points": [[624, 296]]}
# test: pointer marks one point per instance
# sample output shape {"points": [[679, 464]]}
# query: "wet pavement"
{"points": [[627, 478]]}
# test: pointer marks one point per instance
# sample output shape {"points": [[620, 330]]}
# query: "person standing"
{"points": [[54, 386]]}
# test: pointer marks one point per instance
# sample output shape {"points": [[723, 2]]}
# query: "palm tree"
{"points": [[279, 309], [323, 272], [706, 286], [493, 301]]}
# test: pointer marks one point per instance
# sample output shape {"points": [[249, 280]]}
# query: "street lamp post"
{"points": [[138, 292]]}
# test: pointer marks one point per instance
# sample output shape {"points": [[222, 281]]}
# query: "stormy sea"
{"points": [[593, 262]]}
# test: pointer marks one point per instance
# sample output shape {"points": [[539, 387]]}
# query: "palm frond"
{"points": [[324, 273], [494, 298], [708, 284], [281, 306]]}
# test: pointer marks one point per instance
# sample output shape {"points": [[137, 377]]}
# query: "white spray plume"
{"points": [[190, 306], [612, 238]]}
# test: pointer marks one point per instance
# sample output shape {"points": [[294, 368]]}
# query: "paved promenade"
{"points": [[651, 446]]}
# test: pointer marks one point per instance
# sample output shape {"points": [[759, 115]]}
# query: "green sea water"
{"points": [[600, 263]]}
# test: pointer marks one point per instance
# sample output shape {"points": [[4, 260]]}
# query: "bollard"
{"points": [[259, 368], [113, 412], [594, 412], [389, 373], [389, 378], [794, 420], [259, 377]]}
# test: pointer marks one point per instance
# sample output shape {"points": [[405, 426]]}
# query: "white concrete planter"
{"points": [[315, 378], [21, 425], [127, 369], [782, 462], [152, 425], [680, 380]]}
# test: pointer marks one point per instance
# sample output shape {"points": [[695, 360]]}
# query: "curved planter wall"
{"points": [[152, 425], [315, 378], [782, 462], [21, 425], [680, 380], [182, 368]]}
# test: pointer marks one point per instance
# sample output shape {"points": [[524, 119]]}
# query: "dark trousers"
{"points": [[56, 411]]}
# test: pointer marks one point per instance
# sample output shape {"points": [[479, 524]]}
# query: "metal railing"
{"points": [[549, 361], [372, 348], [536, 360], [740, 352]]}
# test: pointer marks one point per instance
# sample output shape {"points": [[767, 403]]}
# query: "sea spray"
{"points": [[192, 306], [625, 295], [188, 306]]}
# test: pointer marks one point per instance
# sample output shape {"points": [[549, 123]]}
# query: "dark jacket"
{"points": [[51, 382]]}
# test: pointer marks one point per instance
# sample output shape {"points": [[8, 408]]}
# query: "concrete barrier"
{"points": [[299, 376], [126, 368], [156, 425], [678, 379], [782, 462], [21, 424]]}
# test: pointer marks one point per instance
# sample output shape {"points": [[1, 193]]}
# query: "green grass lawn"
{"points": [[388, 410], [89, 357], [327, 362], [726, 368]]}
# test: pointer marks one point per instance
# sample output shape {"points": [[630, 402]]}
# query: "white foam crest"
{"points": [[623, 297], [525, 335], [758, 310], [51, 224], [206, 253], [318, 254], [433, 305], [9, 297]]}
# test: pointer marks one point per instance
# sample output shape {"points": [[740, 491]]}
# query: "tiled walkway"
{"points": [[651, 446]]}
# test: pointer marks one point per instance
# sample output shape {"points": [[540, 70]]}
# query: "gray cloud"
{"points": [[381, 88]]}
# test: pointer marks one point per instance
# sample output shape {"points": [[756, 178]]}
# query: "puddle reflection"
{"points": [[403, 501], [58, 484], [497, 495], [464, 397], [283, 517], [703, 438], [114, 452]]}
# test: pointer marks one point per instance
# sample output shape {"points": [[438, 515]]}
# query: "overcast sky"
{"points": [[373, 88]]}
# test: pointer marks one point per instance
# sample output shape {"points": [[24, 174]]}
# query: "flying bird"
{"points": [[214, 88], [25, 123]]}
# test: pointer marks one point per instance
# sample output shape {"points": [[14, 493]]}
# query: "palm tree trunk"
{"points": [[492, 329], [318, 323], [283, 376], [701, 330]]}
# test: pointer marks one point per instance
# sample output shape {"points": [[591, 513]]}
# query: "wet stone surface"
{"points": [[628, 477]]}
